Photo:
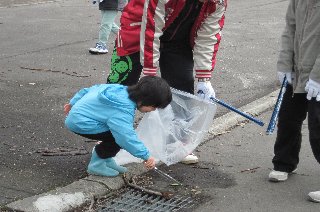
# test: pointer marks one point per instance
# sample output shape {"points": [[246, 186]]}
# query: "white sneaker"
{"points": [[99, 49], [314, 196], [278, 176], [190, 159]]}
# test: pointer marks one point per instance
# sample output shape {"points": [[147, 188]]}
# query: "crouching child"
{"points": [[105, 112]]}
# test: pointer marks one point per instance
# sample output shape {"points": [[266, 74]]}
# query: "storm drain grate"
{"points": [[134, 200]]}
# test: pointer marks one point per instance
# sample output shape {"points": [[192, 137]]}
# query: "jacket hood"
{"points": [[116, 95]]}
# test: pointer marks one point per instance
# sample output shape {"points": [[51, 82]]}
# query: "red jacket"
{"points": [[205, 35]]}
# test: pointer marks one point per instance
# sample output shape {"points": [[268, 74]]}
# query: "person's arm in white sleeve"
{"points": [[151, 29]]}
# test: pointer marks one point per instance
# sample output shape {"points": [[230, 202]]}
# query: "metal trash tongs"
{"points": [[166, 175]]}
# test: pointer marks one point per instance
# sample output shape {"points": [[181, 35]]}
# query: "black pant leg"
{"points": [[288, 142], [176, 66], [125, 70], [108, 147], [314, 127]]}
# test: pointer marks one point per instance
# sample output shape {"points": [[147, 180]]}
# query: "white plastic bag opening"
{"points": [[172, 133]]}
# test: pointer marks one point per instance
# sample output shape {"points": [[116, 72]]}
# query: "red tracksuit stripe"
{"points": [[216, 46], [149, 33]]}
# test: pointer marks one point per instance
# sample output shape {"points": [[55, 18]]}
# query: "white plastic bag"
{"points": [[172, 133]]}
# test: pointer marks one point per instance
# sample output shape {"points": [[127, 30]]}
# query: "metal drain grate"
{"points": [[134, 200]]}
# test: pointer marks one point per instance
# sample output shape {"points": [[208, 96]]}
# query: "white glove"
{"points": [[205, 90], [313, 89], [281, 76]]}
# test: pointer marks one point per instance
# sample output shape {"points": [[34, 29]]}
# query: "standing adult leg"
{"points": [[288, 142], [125, 70], [314, 137], [107, 25], [176, 66], [314, 127]]}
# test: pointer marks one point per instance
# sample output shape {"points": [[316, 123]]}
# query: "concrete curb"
{"points": [[73, 195], [80, 192], [231, 119]]}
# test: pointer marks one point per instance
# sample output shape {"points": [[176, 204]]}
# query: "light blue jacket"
{"points": [[106, 107]]}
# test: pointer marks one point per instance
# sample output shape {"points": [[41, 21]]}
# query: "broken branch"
{"points": [[166, 195]]}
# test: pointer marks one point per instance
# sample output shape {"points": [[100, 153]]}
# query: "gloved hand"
{"points": [[289, 76], [313, 89], [205, 90]]}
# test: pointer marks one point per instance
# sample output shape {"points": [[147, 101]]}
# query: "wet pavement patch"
{"points": [[203, 175]]}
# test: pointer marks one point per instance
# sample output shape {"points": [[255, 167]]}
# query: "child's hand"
{"points": [[150, 163], [67, 108]]}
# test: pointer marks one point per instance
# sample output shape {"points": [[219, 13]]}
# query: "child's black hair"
{"points": [[151, 91]]}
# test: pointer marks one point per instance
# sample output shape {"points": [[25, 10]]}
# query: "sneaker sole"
{"points": [[93, 52], [313, 200], [271, 179]]}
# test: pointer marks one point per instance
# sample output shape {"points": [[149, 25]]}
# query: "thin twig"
{"points": [[140, 188], [166, 195], [247, 170], [62, 151], [49, 70], [92, 203]]}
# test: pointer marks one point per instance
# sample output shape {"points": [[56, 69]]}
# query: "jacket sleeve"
{"points": [[151, 29], [315, 72], [80, 94], [126, 137], [206, 43], [286, 55]]}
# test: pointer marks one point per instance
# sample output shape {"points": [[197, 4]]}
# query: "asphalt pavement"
{"points": [[244, 155], [231, 176], [44, 61]]}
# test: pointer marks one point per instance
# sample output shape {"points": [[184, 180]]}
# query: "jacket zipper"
{"points": [[175, 31]]}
